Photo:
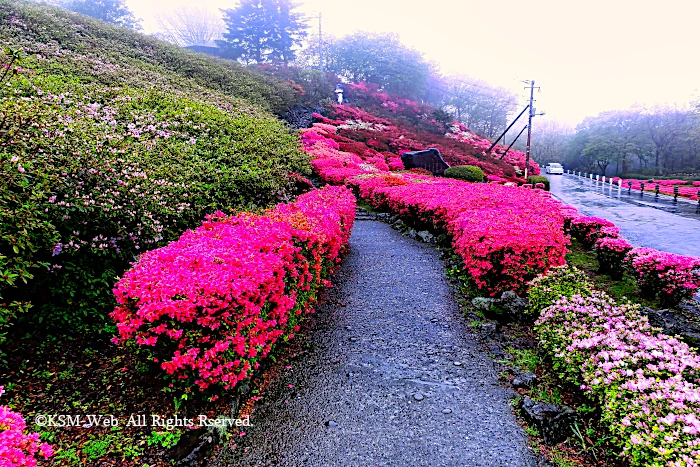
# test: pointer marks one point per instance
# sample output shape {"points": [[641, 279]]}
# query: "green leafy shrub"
{"points": [[565, 281], [535, 179], [469, 173], [93, 175], [78, 46]]}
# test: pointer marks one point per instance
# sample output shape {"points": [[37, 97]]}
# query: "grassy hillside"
{"points": [[112, 143], [80, 46]]}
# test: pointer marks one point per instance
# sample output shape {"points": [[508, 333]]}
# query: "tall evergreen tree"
{"points": [[110, 11], [263, 31]]}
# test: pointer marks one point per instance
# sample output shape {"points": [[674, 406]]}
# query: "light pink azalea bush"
{"points": [[17, 447], [647, 384], [210, 305], [666, 276]]}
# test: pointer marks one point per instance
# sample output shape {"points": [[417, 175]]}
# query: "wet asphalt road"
{"points": [[394, 376], [642, 220]]}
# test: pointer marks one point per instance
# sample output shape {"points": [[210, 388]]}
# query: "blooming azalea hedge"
{"points": [[668, 277], [17, 447], [647, 383], [210, 305], [506, 235]]}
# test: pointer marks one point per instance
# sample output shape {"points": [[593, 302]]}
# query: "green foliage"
{"points": [[110, 11], [526, 359], [166, 439], [469, 173], [535, 179], [263, 31], [380, 59], [93, 171], [83, 48], [560, 282]]}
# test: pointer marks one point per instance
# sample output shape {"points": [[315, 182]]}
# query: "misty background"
{"points": [[619, 84]]}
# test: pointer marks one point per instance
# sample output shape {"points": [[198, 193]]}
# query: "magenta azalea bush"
{"points": [[647, 383], [17, 447], [505, 235], [666, 276], [611, 253], [210, 305], [589, 229]]}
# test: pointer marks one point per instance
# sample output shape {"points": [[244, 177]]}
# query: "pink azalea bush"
{"points": [[666, 276], [589, 229], [505, 235], [611, 253], [210, 305], [647, 384], [17, 447]]}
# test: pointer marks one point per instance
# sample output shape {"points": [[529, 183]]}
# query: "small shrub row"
{"points": [[209, 306], [468, 173], [665, 276]]}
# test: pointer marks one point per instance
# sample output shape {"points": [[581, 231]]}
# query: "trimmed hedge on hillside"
{"points": [[468, 173], [81, 47], [104, 154]]}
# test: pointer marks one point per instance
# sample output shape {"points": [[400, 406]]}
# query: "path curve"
{"points": [[388, 334]]}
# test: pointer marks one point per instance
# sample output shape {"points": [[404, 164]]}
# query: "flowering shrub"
{"points": [[648, 384], [611, 253], [589, 229], [103, 173], [209, 306], [563, 281], [666, 276], [17, 448], [505, 235]]}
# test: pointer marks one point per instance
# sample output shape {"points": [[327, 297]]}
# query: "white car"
{"points": [[555, 168]]}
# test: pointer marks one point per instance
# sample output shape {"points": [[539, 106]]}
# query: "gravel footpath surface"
{"points": [[393, 375]]}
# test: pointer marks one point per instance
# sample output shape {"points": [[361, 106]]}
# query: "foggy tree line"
{"points": [[656, 141], [258, 32]]}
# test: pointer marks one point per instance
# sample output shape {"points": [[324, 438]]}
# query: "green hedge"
{"points": [[535, 179], [93, 175], [78, 46], [469, 173]]}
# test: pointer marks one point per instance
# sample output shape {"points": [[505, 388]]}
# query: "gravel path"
{"points": [[392, 375], [642, 220]]}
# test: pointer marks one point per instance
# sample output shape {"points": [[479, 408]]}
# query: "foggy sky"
{"points": [[587, 56]]}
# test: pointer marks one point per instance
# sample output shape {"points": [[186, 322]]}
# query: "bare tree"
{"points": [[190, 25]]}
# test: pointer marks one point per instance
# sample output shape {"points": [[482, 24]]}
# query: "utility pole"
{"points": [[529, 124]]}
